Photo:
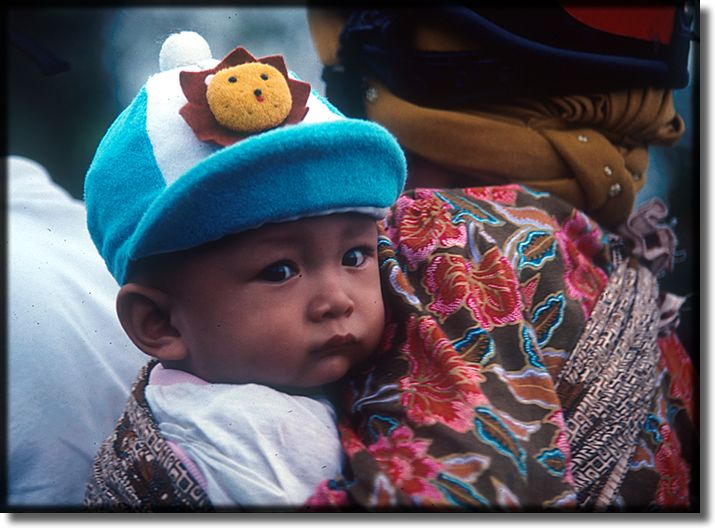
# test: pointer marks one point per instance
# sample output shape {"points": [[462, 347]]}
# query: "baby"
{"points": [[290, 306], [237, 210]]}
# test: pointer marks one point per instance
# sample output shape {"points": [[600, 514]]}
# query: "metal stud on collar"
{"points": [[614, 190], [371, 94]]}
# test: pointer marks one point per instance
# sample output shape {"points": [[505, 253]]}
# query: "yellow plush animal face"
{"points": [[249, 97], [242, 96]]}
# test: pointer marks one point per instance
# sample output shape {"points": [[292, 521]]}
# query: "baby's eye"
{"points": [[264, 76], [279, 272], [355, 257]]}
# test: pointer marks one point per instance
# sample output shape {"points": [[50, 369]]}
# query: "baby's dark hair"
{"points": [[156, 270], [161, 269]]}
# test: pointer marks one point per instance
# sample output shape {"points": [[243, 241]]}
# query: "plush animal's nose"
{"points": [[257, 92]]}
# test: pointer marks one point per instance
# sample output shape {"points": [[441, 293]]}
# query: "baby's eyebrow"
{"points": [[277, 237], [273, 242], [292, 237], [358, 230]]}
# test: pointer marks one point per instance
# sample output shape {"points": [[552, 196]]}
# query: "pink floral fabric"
{"points": [[488, 291]]}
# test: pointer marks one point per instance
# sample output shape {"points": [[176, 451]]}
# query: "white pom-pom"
{"points": [[186, 48]]}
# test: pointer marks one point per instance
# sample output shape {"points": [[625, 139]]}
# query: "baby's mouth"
{"points": [[337, 344]]}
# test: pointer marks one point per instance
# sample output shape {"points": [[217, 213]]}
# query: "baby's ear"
{"points": [[145, 315]]}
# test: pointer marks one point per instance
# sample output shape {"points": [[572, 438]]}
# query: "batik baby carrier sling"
{"points": [[524, 367]]}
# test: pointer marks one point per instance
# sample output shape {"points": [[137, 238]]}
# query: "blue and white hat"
{"points": [[155, 187]]}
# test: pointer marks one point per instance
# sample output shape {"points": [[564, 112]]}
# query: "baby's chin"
{"points": [[328, 371]]}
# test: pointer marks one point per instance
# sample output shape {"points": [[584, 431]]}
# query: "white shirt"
{"points": [[253, 445], [70, 364]]}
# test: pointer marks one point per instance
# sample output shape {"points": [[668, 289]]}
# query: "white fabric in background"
{"points": [[70, 365], [254, 445]]}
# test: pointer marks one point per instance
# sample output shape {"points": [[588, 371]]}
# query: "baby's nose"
{"points": [[330, 302], [257, 92]]}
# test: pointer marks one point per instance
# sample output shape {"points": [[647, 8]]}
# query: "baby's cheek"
{"points": [[376, 318]]}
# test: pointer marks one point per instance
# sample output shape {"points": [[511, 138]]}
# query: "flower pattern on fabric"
{"points": [[530, 347], [643, 457], [465, 210], [491, 429], [537, 248], [404, 460], [466, 466], [529, 386], [399, 282], [547, 317], [489, 289], [528, 290], [351, 441], [675, 360], [673, 484], [440, 386], [561, 442], [383, 492], [327, 496], [527, 216], [475, 346], [504, 194], [424, 227], [579, 240], [460, 494]]}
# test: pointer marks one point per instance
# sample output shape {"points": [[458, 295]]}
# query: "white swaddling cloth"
{"points": [[253, 445]]}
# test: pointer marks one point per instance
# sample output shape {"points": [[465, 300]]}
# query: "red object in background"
{"points": [[640, 22]]}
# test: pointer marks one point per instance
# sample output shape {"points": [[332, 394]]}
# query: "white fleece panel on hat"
{"points": [[318, 112], [176, 147]]}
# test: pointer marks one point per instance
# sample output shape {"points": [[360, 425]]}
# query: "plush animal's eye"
{"points": [[232, 79], [264, 76]]}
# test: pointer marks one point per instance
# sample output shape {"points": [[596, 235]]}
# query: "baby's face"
{"points": [[294, 304]]}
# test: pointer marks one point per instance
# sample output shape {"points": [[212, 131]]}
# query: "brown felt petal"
{"points": [[205, 126], [194, 86], [277, 62], [296, 115], [237, 56], [300, 91], [198, 119]]}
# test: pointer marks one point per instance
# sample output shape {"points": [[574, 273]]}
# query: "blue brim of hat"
{"points": [[292, 172]]}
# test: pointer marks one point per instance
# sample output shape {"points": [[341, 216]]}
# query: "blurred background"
{"points": [[72, 70]]}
